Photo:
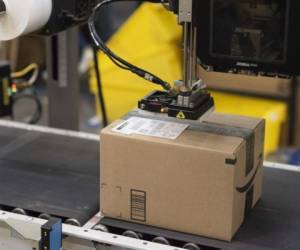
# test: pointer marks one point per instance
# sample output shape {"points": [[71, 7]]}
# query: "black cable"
{"points": [[120, 62], [100, 89]]}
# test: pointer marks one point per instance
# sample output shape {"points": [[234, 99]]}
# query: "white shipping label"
{"points": [[150, 127]]}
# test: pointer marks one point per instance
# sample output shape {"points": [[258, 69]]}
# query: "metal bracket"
{"points": [[28, 229], [51, 235], [185, 11]]}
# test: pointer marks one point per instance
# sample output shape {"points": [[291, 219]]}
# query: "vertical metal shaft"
{"points": [[194, 64], [186, 45], [190, 55], [191, 58]]}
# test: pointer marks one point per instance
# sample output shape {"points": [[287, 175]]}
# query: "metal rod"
{"points": [[185, 54], [194, 65], [189, 55]]}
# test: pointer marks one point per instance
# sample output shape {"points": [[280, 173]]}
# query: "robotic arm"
{"points": [[256, 37]]}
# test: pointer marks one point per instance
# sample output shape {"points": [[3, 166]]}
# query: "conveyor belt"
{"points": [[47, 173]]}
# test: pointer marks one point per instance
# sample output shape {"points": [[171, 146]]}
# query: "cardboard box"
{"points": [[253, 85], [203, 182]]}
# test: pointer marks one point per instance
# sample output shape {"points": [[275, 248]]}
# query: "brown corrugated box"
{"points": [[255, 85], [197, 183]]}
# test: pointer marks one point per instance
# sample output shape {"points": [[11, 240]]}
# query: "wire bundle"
{"points": [[21, 76], [120, 62], [23, 91]]}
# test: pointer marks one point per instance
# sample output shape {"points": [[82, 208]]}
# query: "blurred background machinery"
{"points": [[155, 45]]}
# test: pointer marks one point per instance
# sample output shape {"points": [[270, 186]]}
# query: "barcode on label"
{"points": [[138, 205]]}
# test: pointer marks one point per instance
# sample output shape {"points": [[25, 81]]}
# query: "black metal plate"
{"points": [[46, 173]]}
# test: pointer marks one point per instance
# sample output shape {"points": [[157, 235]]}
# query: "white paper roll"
{"points": [[23, 17]]}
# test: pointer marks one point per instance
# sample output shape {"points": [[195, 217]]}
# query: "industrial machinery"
{"points": [[234, 36], [248, 37], [46, 171], [252, 37], [16, 87]]}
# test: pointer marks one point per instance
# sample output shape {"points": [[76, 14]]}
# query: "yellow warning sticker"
{"points": [[180, 115]]}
